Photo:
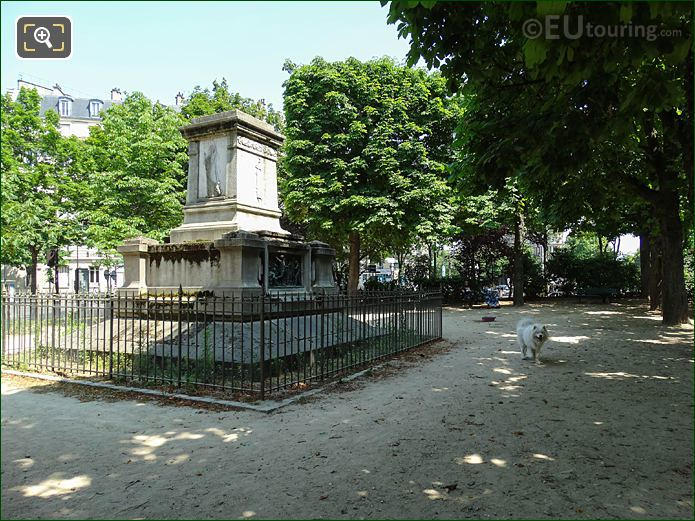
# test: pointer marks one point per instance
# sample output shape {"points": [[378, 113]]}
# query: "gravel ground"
{"points": [[603, 429]]}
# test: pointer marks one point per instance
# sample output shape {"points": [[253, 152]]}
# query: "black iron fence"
{"points": [[253, 344]]}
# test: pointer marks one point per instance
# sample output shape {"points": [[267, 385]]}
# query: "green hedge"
{"points": [[571, 272]]}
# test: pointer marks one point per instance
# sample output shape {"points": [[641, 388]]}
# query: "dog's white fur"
{"points": [[531, 336]]}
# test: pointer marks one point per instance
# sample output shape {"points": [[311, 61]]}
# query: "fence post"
{"points": [[418, 313], [262, 342], [322, 353], [180, 333], [363, 338], [441, 313], [53, 324], [111, 338], [3, 326]]}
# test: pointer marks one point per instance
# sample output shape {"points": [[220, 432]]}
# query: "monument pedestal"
{"points": [[237, 264], [228, 216], [231, 241]]}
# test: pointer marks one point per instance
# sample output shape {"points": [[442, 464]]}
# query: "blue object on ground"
{"points": [[492, 298]]}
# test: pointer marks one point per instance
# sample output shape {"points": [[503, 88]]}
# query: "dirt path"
{"points": [[603, 429]]}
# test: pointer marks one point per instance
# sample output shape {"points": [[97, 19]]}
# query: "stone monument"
{"points": [[231, 241]]}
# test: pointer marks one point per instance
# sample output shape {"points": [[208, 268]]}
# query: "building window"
{"points": [[63, 269], [94, 108], [64, 107], [94, 274]]}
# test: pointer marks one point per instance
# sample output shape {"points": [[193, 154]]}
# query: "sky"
{"points": [[161, 48]]}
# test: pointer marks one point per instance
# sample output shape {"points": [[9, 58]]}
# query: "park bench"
{"points": [[604, 293]]}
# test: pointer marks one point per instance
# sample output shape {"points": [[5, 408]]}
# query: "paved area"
{"points": [[603, 429]]}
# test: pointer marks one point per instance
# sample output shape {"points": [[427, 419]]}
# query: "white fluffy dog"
{"points": [[531, 336]]}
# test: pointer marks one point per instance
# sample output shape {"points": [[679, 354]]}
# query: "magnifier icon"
{"points": [[42, 35]]}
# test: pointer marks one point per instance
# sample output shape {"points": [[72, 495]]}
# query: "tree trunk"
{"points": [[400, 257], [674, 299], [666, 205], [429, 260], [354, 262], [685, 134], [55, 272], [644, 264], [434, 261], [518, 262], [33, 270], [655, 273], [545, 261]]}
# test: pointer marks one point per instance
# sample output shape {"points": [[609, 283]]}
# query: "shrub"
{"points": [[374, 284], [534, 282], [570, 272]]}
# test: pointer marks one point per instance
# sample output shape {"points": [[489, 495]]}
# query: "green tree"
{"points": [[41, 184], [561, 102], [486, 215], [366, 153], [136, 162], [489, 167], [202, 102]]}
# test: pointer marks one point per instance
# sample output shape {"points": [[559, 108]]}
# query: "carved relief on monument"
{"points": [[212, 168], [284, 270], [260, 180]]}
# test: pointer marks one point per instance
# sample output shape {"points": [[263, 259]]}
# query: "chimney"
{"points": [[178, 99], [116, 94]]}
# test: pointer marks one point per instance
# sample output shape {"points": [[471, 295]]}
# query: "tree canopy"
{"points": [[41, 188], [202, 102], [366, 151], [136, 164], [609, 118]]}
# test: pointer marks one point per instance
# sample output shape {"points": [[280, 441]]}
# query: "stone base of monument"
{"points": [[240, 264], [240, 343]]}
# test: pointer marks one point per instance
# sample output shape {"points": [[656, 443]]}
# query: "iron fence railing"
{"points": [[257, 344]]}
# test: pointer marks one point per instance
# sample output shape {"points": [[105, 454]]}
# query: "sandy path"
{"points": [[603, 429]]}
